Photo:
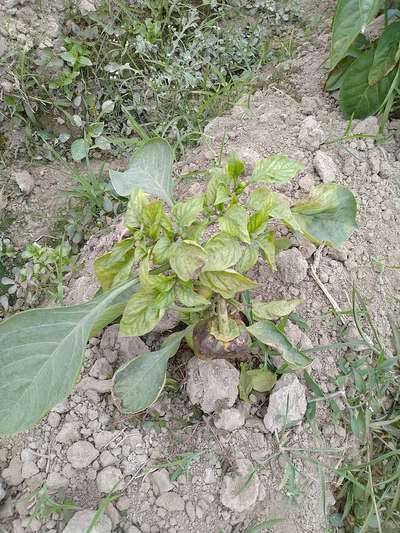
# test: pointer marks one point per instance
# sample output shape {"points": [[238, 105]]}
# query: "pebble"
{"points": [[311, 134], [56, 481], [287, 404], [53, 419], [24, 181], [29, 469], [101, 369], [68, 433], [234, 495], [229, 419], [325, 167], [99, 386], [13, 474], [108, 479], [107, 458], [81, 454], [161, 482], [292, 266], [81, 520], [2, 491], [171, 502]]}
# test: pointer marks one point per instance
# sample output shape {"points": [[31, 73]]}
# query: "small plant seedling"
{"points": [[43, 505], [193, 258]]}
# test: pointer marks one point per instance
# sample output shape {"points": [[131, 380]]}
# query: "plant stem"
{"points": [[223, 318]]}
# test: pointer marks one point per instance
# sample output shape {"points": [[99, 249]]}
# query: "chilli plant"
{"points": [[191, 257], [367, 71]]}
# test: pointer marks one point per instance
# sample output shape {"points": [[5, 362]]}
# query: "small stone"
{"points": [[29, 469], [190, 511], [311, 135], [297, 337], [229, 419], [100, 386], [113, 514], [325, 167], [2, 491], [107, 458], [56, 481], [306, 182], [292, 266], [171, 502], [6, 510], [123, 503], [133, 529], [81, 454], [368, 126], [130, 347], [287, 404], [110, 478], [68, 433], [212, 384], [109, 337], [61, 408], [233, 495], [13, 474], [101, 369], [24, 181], [81, 521], [161, 482], [86, 6], [103, 438], [54, 419]]}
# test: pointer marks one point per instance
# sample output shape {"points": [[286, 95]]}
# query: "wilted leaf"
{"points": [[274, 309], [351, 18], [42, 353], [138, 383], [141, 314], [276, 169], [226, 283], [387, 53], [268, 333], [223, 251], [187, 258], [328, 216], [186, 212], [248, 259], [258, 379], [79, 149], [115, 267], [358, 99], [150, 169], [234, 222]]}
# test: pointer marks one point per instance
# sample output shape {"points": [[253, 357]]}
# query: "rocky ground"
{"points": [[200, 460]]}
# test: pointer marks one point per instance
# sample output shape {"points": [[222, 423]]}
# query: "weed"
{"points": [[43, 505]]}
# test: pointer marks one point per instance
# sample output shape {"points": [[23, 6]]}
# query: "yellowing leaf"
{"points": [[186, 212], [234, 222], [141, 314], [115, 267], [223, 251], [276, 169], [274, 309], [226, 283], [187, 258]]}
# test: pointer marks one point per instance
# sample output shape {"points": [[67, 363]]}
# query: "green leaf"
{"points": [[351, 18], [134, 212], [217, 188], [150, 169], [226, 283], [141, 314], [274, 309], [268, 333], [328, 216], [187, 258], [79, 149], [261, 200], [335, 78], [223, 251], [139, 383], [248, 259], [276, 169], [115, 267], [161, 250], [42, 354], [357, 98], [235, 166], [258, 221], [234, 223], [387, 53], [188, 211], [107, 106], [160, 282], [187, 296], [258, 379], [267, 244]]}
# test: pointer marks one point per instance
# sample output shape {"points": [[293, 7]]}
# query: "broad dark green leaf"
{"points": [[226, 283], [276, 169], [351, 18], [42, 353], [115, 267], [187, 258], [223, 251], [268, 333], [141, 314], [328, 216], [138, 383], [150, 169], [335, 77], [357, 98], [234, 222], [387, 53], [274, 309]]}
